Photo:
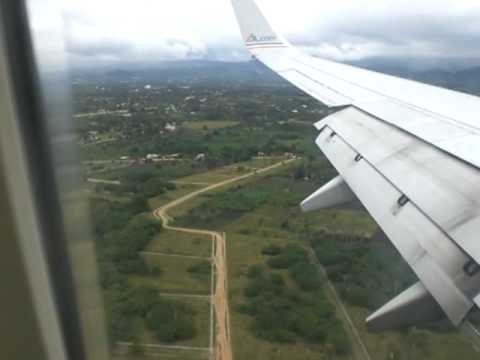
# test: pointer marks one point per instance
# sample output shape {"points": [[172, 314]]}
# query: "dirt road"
{"points": [[223, 344]]}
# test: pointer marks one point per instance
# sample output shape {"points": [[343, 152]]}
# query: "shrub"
{"points": [[277, 280], [156, 271], [256, 271], [271, 250], [306, 276], [291, 255], [171, 321], [202, 268]]}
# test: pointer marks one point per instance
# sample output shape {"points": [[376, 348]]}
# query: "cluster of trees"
{"points": [[226, 206], [285, 314], [201, 269], [275, 190], [121, 232], [366, 275], [144, 181], [295, 259], [171, 320]]}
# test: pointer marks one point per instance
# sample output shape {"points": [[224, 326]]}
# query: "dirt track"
{"points": [[223, 344]]}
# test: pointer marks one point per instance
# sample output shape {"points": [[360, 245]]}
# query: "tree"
{"points": [[256, 271], [144, 299], [306, 276], [171, 321], [272, 250], [156, 271]]}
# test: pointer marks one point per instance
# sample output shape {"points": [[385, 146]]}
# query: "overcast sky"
{"points": [[101, 32]]}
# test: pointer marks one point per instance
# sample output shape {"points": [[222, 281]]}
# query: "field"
{"points": [[175, 277], [270, 216], [245, 250], [261, 212], [170, 242], [208, 125], [416, 345]]}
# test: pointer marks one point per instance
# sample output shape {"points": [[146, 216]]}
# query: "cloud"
{"points": [[151, 30]]}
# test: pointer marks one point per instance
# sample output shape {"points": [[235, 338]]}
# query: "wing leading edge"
{"points": [[411, 153]]}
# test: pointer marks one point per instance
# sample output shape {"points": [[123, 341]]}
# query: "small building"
{"points": [[171, 127], [152, 156], [200, 157]]}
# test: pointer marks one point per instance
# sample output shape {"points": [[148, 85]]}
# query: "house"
{"points": [[152, 156], [200, 157], [171, 127]]}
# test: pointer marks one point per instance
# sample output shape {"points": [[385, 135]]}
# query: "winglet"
{"points": [[256, 30]]}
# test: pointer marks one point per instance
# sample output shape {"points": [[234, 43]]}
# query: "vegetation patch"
{"points": [[201, 269], [208, 125], [366, 275], [288, 314], [171, 321], [178, 243], [175, 277]]}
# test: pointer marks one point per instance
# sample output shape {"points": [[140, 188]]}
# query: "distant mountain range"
{"points": [[254, 73], [466, 80]]}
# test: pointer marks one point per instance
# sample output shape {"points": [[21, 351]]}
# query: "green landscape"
{"points": [[172, 167]]}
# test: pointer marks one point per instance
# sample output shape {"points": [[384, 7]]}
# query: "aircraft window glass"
{"points": [[167, 193]]}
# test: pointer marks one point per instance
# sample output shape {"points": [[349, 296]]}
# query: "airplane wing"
{"points": [[410, 153]]}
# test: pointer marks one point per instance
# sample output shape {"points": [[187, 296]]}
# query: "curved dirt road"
{"points": [[223, 344]]}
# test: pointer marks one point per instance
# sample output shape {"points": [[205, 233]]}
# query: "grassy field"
{"points": [[172, 242], [437, 346], [230, 171], [343, 221], [208, 125], [215, 176], [175, 277], [245, 240]]}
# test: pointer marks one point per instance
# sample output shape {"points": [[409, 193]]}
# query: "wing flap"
{"points": [[433, 256], [424, 174]]}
